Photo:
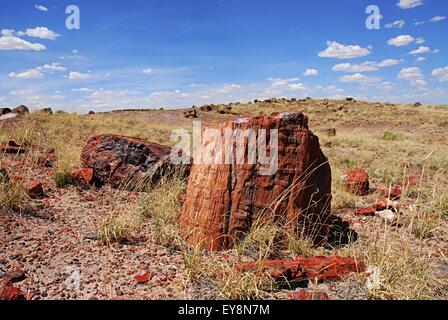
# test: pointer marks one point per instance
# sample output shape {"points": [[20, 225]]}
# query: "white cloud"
{"points": [[420, 41], [39, 32], [40, 7], [419, 23], [441, 74], [438, 18], [420, 50], [400, 41], [388, 63], [356, 68], [340, 51], [409, 4], [311, 72], [396, 24], [147, 71], [78, 75], [27, 75], [83, 90], [414, 75], [359, 78], [14, 43], [51, 68], [421, 59], [367, 66]]}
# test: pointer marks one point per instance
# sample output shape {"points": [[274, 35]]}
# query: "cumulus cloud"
{"points": [[420, 50], [367, 66], [51, 68], [438, 18], [413, 75], [441, 74], [396, 24], [401, 41], [359, 78], [27, 75], [78, 75], [40, 7], [421, 59], [311, 72], [340, 51], [83, 90], [147, 71], [14, 43], [39, 32], [409, 4], [420, 41]]}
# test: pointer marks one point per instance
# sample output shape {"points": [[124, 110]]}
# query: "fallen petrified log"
{"points": [[302, 270], [125, 162], [12, 147], [224, 200]]}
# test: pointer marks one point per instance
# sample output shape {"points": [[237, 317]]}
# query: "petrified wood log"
{"points": [[224, 200], [125, 162]]}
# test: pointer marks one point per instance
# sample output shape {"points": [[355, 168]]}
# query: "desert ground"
{"points": [[78, 242]]}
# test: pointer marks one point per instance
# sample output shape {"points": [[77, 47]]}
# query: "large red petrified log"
{"points": [[224, 200], [125, 162]]}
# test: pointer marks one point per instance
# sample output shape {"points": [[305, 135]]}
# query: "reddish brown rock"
{"points": [[144, 278], [366, 211], [34, 189], [83, 177], [10, 293], [298, 193], [306, 295], [357, 182], [13, 276], [125, 162], [314, 269], [392, 193], [12, 148], [384, 204]]}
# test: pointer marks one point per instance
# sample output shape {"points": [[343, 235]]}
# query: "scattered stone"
{"points": [[127, 162], [4, 111], [144, 278], [417, 104], [46, 110], [13, 276], [357, 182], [91, 112], [307, 295], [12, 148], [10, 293], [225, 110], [331, 132], [387, 215], [350, 99], [319, 269], [21, 110], [83, 177], [34, 189], [392, 193], [366, 211], [191, 113], [384, 204], [206, 108], [237, 194]]}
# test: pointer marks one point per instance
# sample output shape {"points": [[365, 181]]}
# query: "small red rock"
{"points": [[34, 189], [11, 293], [357, 182], [366, 211], [133, 249], [13, 276], [144, 278], [83, 176], [393, 193], [12, 147], [384, 204], [305, 295], [65, 230]]}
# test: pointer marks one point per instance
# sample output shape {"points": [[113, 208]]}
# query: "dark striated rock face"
{"points": [[21, 110], [125, 162], [4, 111], [224, 200]]}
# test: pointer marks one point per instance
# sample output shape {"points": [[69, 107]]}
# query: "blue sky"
{"points": [[147, 53]]}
